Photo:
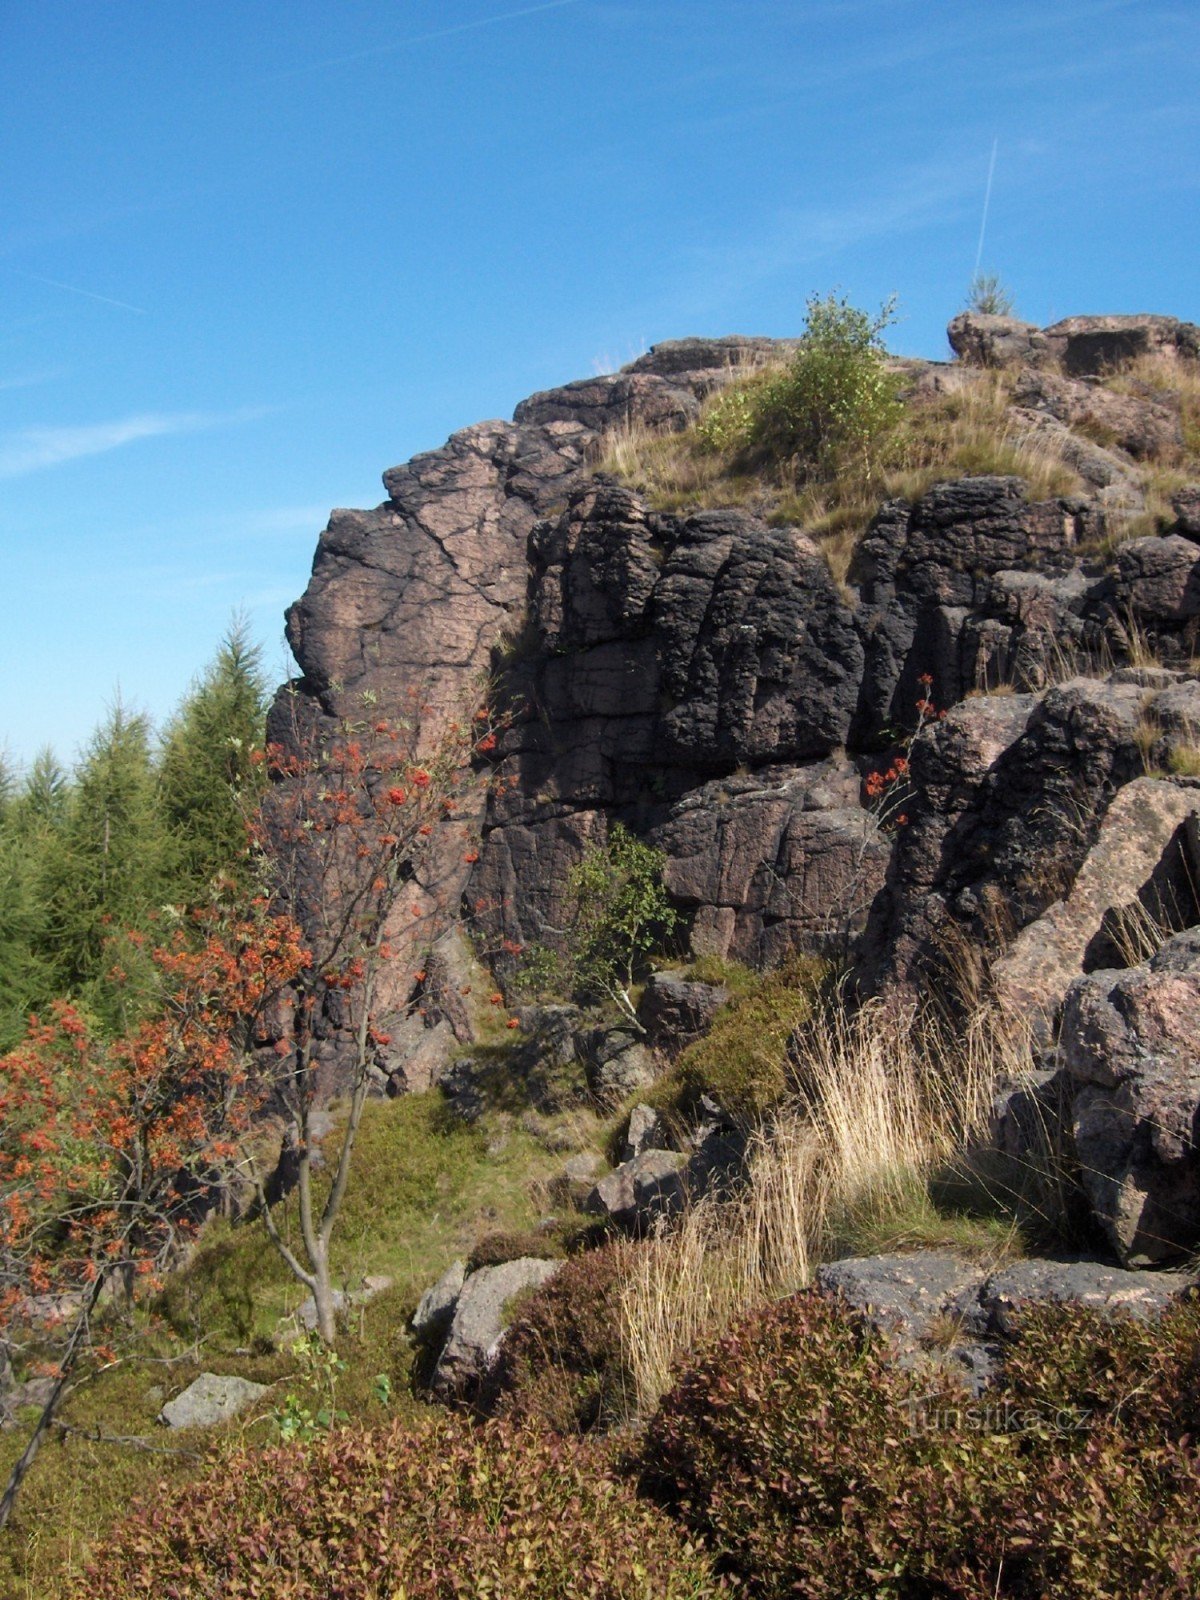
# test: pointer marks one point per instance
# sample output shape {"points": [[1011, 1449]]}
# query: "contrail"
{"points": [[419, 38], [87, 294], [987, 200]]}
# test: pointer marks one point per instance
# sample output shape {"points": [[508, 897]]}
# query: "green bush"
{"points": [[428, 1512], [829, 410], [561, 1362], [742, 1061], [618, 914], [824, 1469]]}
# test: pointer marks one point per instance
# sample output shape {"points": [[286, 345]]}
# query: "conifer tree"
{"points": [[108, 870], [31, 812], [208, 781]]}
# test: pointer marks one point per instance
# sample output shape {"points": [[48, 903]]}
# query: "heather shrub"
{"points": [[430, 1512], [561, 1362], [496, 1248], [822, 1468]]}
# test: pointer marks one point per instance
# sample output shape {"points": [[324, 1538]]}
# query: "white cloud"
{"points": [[32, 449]]}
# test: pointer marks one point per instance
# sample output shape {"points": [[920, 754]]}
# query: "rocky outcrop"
{"points": [[943, 1311], [702, 679]]}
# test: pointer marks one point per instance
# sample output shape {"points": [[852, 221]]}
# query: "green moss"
{"points": [[742, 1062]]}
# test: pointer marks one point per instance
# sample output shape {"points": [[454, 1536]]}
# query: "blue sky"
{"points": [[252, 254]]}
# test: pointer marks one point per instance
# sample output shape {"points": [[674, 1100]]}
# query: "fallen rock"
{"points": [[617, 1063], [478, 1324], [1186, 506], [646, 1131], [649, 1186], [210, 1399], [675, 1011]]}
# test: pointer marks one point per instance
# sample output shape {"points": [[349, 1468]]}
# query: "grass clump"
{"points": [[869, 1152], [821, 1466]]}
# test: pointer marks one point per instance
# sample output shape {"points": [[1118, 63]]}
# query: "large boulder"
{"points": [[985, 340], [479, 1321], [650, 1185], [1130, 1043], [1095, 346], [675, 1011]]}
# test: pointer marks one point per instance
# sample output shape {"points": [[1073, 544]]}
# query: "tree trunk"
{"points": [[66, 1366]]}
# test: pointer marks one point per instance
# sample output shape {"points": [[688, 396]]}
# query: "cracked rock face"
{"points": [[1130, 1044], [701, 678]]}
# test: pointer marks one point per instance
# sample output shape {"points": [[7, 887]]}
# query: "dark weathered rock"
{"points": [[645, 1131], [1158, 580], [773, 862], [1093, 346], [617, 1063], [1009, 795], [649, 1186], [1139, 873], [1129, 1043], [1186, 506], [1144, 425], [1093, 1285], [758, 652], [983, 340], [462, 1082], [478, 1324], [943, 1311], [676, 1011]]}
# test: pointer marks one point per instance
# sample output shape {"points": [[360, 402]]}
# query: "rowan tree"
{"points": [[108, 1148], [365, 837]]}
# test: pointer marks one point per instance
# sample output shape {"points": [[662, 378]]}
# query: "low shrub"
{"points": [[561, 1363], [823, 1468], [828, 410], [430, 1512]]}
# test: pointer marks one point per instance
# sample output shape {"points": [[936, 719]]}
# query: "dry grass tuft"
{"points": [[889, 1104], [962, 434]]}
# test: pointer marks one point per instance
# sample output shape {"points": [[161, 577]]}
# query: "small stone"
{"points": [[209, 1400]]}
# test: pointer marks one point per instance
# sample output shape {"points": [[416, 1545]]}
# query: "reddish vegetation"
{"points": [[432, 1512]]}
